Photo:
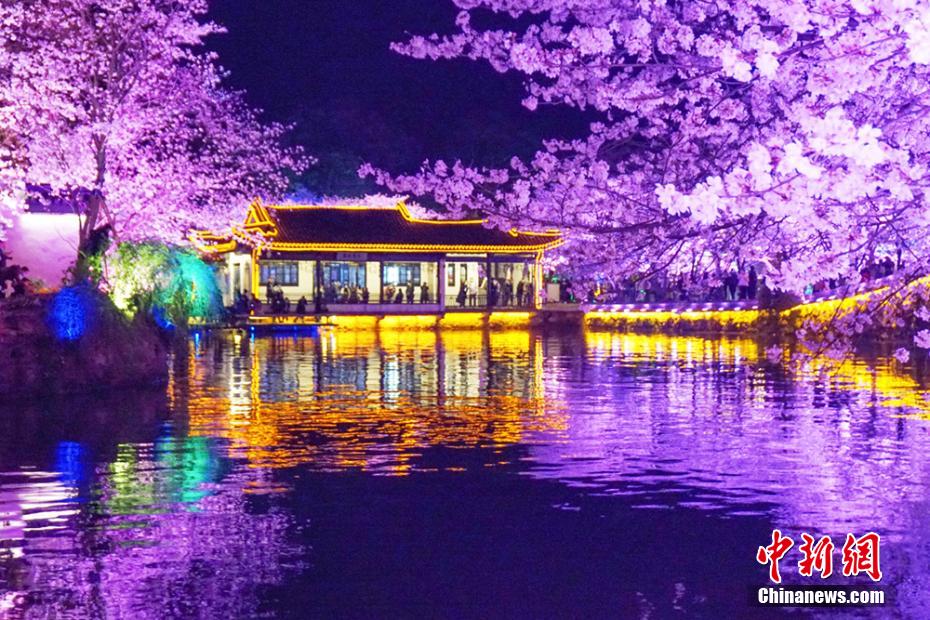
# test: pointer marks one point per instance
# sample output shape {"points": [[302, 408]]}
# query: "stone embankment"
{"points": [[85, 345]]}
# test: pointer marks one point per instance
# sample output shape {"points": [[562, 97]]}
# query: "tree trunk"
{"points": [[87, 239], [90, 238]]}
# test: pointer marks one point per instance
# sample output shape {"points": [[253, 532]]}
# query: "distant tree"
{"points": [[335, 174], [117, 107]]}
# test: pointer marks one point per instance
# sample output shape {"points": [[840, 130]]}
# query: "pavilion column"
{"points": [[441, 285], [487, 283], [231, 290], [255, 272], [537, 281], [318, 286]]}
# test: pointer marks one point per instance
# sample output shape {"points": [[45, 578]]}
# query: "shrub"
{"points": [[169, 283]]}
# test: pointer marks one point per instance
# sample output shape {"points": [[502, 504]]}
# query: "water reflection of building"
{"points": [[706, 419], [373, 399], [666, 422]]}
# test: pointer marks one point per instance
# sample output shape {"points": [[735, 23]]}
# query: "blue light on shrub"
{"points": [[71, 313], [161, 318]]}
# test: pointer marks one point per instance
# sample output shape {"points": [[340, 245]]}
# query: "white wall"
{"points": [[373, 281], [304, 288], [46, 243], [241, 264]]}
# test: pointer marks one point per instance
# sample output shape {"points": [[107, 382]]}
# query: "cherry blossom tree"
{"points": [[12, 187], [118, 108], [790, 132], [12, 181]]}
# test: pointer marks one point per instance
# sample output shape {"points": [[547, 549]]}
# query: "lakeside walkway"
{"points": [[712, 315]]}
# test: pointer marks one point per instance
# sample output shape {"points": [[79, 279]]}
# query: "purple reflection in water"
{"points": [[465, 473]]}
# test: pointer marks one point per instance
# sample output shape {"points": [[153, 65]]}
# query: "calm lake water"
{"points": [[459, 474]]}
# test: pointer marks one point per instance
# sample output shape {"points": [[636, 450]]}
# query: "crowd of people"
{"points": [[735, 285], [741, 284], [870, 272], [333, 293], [246, 302], [500, 292], [409, 293], [336, 293], [880, 268]]}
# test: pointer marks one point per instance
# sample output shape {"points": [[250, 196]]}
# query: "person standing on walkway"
{"points": [[731, 283]]}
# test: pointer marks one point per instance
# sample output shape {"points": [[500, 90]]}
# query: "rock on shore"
{"points": [[76, 343]]}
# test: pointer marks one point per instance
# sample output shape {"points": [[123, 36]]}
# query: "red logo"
{"points": [[817, 557], [860, 555], [773, 553]]}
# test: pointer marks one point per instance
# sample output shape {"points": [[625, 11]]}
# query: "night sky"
{"points": [[325, 66]]}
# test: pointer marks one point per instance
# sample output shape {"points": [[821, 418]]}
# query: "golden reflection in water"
{"points": [[809, 453], [825, 439], [372, 400], [662, 347], [889, 383]]}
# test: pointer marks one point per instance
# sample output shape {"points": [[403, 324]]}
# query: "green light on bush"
{"points": [[169, 282]]}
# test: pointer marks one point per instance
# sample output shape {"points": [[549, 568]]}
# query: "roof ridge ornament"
{"points": [[259, 219]]}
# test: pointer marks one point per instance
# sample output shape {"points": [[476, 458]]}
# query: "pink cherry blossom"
{"points": [[115, 106], [794, 133]]}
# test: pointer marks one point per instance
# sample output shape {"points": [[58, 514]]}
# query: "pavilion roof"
{"points": [[360, 228]]}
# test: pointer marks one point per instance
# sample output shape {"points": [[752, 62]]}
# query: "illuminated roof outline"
{"points": [[358, 228]]}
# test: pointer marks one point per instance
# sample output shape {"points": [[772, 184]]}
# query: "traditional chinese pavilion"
{"points": [[375, 260]]}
